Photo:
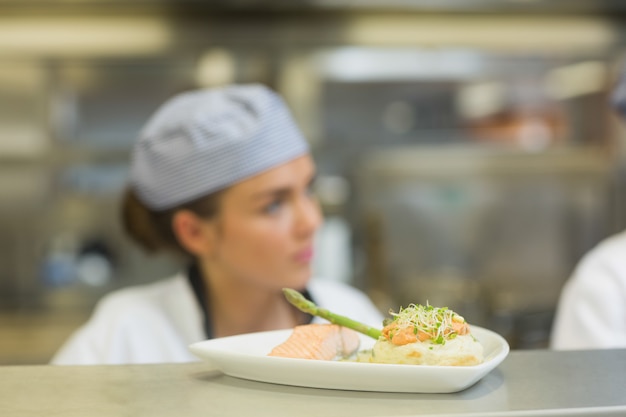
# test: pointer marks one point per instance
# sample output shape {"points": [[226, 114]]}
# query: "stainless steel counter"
{"points": [[527, 383]]}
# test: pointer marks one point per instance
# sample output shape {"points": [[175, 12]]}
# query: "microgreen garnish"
{"points": [[436, 322]]}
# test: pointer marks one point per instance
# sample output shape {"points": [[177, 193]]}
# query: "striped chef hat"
{"points": [[203, 141]]}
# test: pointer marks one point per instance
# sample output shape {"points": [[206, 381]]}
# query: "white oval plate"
{"points": [[245, 356]]}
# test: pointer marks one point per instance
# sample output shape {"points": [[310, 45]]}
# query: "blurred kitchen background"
{"points": [[468, 153]]}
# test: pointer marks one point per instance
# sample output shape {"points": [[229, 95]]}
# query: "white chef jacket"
{"points": [[157, 322], [591, 313]]}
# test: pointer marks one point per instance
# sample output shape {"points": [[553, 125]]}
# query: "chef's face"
{"points": [[266, 227]]}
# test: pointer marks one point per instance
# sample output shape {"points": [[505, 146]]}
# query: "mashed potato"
{"points": [[426, 335], [460, 351]]}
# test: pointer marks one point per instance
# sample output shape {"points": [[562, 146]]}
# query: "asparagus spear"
{"points": [[298, 300]]}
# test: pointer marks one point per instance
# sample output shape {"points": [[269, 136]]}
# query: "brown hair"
{"points": [[152, 230]]}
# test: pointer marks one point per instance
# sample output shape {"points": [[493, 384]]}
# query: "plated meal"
{"points": [[415, 335], [421, 349]]}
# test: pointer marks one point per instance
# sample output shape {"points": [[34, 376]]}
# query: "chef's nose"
{"points": [[308, 216]]}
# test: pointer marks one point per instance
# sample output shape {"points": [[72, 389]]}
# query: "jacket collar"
{"points": [[197, 282]]}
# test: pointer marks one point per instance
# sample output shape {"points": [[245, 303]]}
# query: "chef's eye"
{"points": [[273, 207]]}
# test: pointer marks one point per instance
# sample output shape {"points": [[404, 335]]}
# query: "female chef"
{"points": [[222, 177]]}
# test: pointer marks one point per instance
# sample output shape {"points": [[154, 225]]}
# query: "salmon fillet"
{"points": [[318, 341]]}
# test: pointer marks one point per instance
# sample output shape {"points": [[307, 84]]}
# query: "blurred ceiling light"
{"points": [[216, 67], [481, 100], [577, 80], [82, 36], [509, 33], [354, 64]]}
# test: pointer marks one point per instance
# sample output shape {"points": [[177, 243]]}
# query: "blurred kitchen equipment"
{"points": [[333, 243], [493, 233]]}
